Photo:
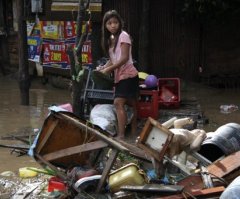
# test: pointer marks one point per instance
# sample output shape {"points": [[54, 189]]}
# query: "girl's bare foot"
{"points": [[120, 137]]}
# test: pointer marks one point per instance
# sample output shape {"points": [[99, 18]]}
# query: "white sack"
{"points": [[104, 116]]}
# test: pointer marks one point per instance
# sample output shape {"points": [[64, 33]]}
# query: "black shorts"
{"points": [[127, 88]]}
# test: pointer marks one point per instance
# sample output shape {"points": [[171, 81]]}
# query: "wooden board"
{"points": [[214, 192], [226, 167], [58, 134]]}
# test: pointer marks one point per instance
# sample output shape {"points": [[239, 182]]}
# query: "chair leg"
{"points": [[107, 169]]}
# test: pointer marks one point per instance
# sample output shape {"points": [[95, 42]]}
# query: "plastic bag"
{"points": [[228, 108], [104, 116]]}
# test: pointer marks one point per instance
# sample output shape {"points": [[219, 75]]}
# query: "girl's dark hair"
{"points": [[106, 34]]}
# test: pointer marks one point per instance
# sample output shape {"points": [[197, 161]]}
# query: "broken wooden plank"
{"points": [[192, 182], [49, 132], [204, 193], [226, 166], [15, 146], [23, 138], [100, 135], [210, 192], [107, 168], [26, 141], [63, 134], [60, 174], [75, 150]]}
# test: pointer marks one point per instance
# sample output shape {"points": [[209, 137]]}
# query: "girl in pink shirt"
{"points": [[117, 44]]}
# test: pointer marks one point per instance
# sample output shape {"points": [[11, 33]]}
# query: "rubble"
{"points": [[83, 159]]}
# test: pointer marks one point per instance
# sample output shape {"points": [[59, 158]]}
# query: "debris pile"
{"points": [[80, 160]]}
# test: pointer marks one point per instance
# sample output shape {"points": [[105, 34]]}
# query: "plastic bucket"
{"points": [[224, 141]]}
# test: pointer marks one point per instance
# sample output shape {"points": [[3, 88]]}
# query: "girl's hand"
{"points": [[100, 67], [105, 70]]}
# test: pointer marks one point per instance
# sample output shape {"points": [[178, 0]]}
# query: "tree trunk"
{"points": [[23, 76], [77, 86], [76, 62]]}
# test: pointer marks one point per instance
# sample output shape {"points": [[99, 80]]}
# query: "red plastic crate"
{"points": [[147, 105], [169, 92]]}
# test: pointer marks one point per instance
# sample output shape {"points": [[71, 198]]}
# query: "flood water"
{"points": [[210, 100], [18, 119], [15, 118]]}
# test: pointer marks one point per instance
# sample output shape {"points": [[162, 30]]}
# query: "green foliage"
{"points": [[80, 75], [204, 10], [124, 159]]}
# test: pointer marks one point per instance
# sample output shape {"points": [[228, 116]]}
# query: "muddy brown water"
{"points": [[15, 118]]}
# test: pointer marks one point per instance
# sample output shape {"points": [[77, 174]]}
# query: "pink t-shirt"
{"points": [[127, 70]]}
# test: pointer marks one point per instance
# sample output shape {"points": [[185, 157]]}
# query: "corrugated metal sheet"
{"points": [[174, 44]]}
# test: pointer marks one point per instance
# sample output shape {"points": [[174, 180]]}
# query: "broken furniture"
{"points": [[93, 94], [209, 193], [227, 168], [154, 139], [65, 140]]}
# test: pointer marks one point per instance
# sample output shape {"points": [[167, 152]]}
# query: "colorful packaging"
{"points": [[70, 28], [87, 52], [55, 53], [34, 48], [52, 29]]}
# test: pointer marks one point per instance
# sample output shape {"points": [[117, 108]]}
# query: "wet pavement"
{"points": [[15, 118]]}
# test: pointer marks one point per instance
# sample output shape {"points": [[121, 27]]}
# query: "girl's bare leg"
{"points": [[133, 104], [121, 116]]}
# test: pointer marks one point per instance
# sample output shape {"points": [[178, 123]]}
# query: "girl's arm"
{"points": [[125, 47]]}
